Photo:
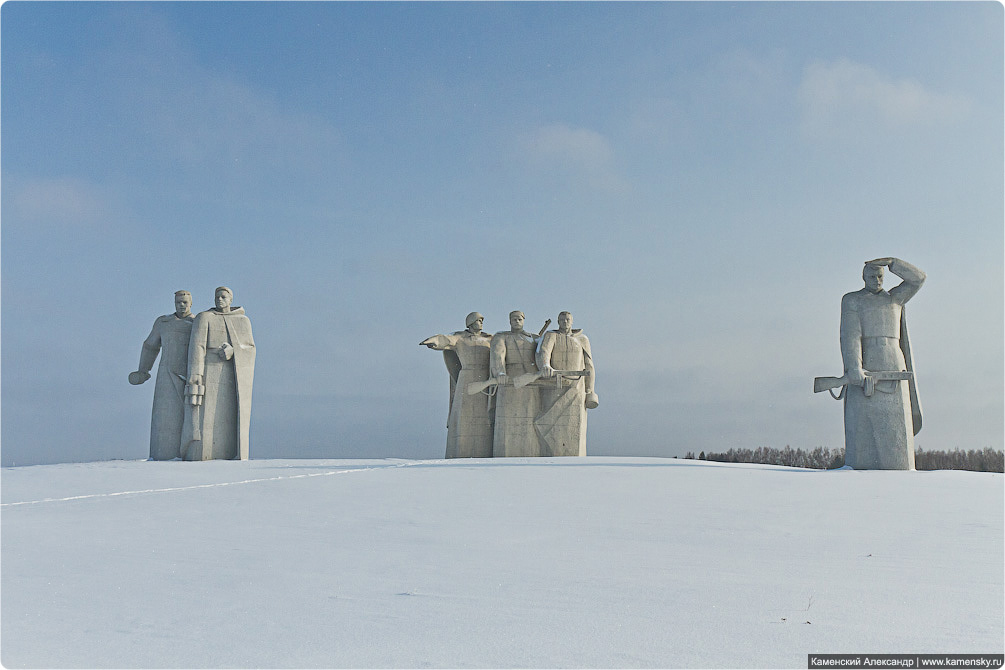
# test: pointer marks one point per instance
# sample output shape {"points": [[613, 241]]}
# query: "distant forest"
{"points": [[978, 460]]}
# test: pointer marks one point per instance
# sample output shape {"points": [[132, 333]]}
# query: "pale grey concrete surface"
{"points": [[881, 417], [466, 354], [221, 370], [510, 397], [169, 337]]}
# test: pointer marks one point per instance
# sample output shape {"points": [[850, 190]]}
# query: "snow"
{"points": [[577, 562]]}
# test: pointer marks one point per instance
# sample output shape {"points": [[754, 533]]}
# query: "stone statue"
{"points": [[469, 423], [221, 369], [562, 425], [169, 337], [513, 354], [882, 413]]}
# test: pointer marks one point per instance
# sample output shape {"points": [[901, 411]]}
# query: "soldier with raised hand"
{"points": [[169, 337], [881, 418]]}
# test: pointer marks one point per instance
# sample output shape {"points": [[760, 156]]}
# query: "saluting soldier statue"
{"points": [[882, 413]]}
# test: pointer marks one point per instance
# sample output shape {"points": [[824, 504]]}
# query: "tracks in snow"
{"points": [[208, 486]]}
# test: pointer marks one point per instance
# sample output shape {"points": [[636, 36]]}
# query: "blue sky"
{"points": [[699, 183]]}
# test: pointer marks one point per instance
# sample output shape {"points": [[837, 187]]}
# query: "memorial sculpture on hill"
{"points": [[882, 413], [469, 421], [510, 398], [221, 369], [512, 355], [169, 337], [565, 355]]}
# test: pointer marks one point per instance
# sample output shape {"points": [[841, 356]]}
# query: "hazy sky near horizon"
{"points": [[699, 183]]}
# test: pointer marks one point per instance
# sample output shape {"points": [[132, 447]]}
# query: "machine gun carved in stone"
{"points": [[868, 383]]}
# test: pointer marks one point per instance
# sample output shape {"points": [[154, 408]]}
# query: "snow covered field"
{"points": [[595, 562]]}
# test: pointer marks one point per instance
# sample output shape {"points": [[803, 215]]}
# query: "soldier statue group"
{"points": [[517, 393], [202, 396]]}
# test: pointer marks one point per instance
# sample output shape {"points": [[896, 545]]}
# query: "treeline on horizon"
{"points": [[822, 458]]}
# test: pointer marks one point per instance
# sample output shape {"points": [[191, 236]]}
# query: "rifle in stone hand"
{"points": [[868, 383], [530, 377], [525, 379]]}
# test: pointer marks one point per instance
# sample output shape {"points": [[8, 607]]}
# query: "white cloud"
{"points": [[578, 153], [56, 201], [567, 146], [839, 96]]}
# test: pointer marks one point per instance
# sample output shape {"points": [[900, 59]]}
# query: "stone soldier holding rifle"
{"points": [[882, 413], [562, 426]]}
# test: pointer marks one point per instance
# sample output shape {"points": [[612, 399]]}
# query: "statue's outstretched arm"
{"points": [[439, 342], [148, 354]]}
